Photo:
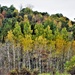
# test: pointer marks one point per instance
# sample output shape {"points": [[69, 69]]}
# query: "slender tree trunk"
{"points": [[50, 59], [28, 55], [48, 66], [14, 57], [40, 60], [18, 53], [8, 53], [37, 61], [24, 60]]}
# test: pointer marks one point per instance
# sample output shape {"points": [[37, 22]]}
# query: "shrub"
{"points": [[25, 71], [35, 72], [70, 66], [13, 72]]}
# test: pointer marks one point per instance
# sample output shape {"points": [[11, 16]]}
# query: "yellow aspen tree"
{"points": [[10, 36], [26, 43]]}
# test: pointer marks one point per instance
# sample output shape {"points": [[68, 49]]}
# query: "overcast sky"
{"points": [[66, 7]]}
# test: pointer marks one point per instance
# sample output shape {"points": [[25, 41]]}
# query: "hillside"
{"points": [[35, 39]]}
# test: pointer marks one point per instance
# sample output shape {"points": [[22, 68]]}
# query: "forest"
{"points": [[33, 42]]}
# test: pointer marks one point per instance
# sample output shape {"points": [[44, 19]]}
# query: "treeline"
{"points": [[35, 40]]}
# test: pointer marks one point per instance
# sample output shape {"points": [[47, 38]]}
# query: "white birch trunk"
{"points": [[18, 53], [14, 57], [24, 60], [8, 56]]}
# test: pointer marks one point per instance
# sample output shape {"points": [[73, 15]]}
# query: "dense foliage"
{"points": [[35, 40], [70, 65]]}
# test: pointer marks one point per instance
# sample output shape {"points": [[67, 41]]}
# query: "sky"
{"points": [[66, 7]]}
